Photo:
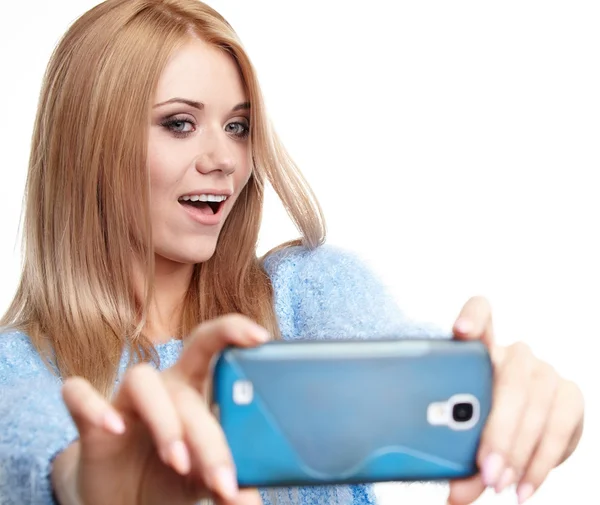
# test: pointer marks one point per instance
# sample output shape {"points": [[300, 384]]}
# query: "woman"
{"points": [[150, 154]]}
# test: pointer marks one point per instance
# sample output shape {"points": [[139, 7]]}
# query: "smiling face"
{"points": [[198, 151]]}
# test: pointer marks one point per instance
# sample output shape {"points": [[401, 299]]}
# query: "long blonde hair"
{"points": [[87, 182]]}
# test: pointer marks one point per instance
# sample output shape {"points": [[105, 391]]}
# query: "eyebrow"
{"points": [[241, 106], [200, 105]]}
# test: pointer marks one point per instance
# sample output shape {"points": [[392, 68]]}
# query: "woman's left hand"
{"points": [[536, 418]]}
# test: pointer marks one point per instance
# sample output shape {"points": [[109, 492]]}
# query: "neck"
{"points": [[171, 283]]}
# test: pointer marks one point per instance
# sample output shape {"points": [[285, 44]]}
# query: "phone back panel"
{"points": [[320, 412]]}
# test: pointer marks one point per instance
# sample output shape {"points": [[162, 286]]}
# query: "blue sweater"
{"points": [[323, 293]]}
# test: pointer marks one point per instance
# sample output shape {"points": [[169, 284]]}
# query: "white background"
{"points": [[454, 145]]}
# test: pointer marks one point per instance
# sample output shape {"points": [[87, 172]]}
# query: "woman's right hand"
{"points": [[157, 442]]}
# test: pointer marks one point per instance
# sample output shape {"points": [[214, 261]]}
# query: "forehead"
{"points": [[199, 71]]}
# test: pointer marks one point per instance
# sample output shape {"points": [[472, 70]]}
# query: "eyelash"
{"points": [[245, 132], [169, 124]]}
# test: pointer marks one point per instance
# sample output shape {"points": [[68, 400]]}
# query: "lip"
{"points": [[205, 219]]}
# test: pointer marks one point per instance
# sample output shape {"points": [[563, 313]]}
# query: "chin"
{"points": [[189, 254]]}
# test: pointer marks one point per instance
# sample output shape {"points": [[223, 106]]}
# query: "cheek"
{"points": [[244, 170], [155, 163], [164, 165], [244, 177]]}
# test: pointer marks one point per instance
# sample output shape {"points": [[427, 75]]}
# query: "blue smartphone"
{"points": [[298, 413]]}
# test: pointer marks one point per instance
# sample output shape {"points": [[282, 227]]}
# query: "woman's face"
{"points": [[198, 151]]}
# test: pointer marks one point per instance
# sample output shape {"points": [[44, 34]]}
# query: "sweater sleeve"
{"points": [[35, 424], [331, 293]]}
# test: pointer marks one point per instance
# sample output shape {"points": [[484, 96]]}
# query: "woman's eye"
{"points": [[238, 129], [179, 127]]}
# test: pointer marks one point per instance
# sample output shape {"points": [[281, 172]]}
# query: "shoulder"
{"points": [[322, 277], [330, 292], [322, 264], [18, 356], [307, 282]]}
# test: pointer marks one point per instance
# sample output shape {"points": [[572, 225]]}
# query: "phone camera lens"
{"points": [[462, 412]]}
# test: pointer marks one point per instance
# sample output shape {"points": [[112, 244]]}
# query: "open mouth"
{"points": [[207, 204]]}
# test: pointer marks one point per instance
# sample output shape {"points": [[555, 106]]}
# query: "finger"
{"points": [[89, 409], [211, 337], [211, 459], [531, 426], [244, 497], [562, 423], [475, 322], [144, 394], [465, 491], [249, 497], [511, 393]]}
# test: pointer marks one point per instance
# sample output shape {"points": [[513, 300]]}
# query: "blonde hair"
{"points": [[87, 181]]}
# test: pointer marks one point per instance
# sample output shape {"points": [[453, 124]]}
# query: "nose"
{"points": [[215, 154]]}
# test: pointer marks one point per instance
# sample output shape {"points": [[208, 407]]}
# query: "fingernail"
{"points": [[463, 326], [113, 423], [225, 483], [492, 468], [179, 457], [506, 479], [524, 493]]}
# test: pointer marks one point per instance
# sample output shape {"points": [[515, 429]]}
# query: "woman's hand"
{"points": [[536, 418], [157, 442]]}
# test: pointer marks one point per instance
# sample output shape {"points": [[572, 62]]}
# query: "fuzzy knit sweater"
{"points": [[322, 293]]}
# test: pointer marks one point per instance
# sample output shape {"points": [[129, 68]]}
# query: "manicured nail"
{"points": [[113, 423], [506, 479], [463, 326], [179, 457], [524, 493], [492, 469], [225, 483]]}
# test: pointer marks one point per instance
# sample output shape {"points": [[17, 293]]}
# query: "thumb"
{"points": [[210, 338], [465, 491], [475, 322]]}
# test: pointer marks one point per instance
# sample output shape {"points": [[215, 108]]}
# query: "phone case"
{"points": [[333, 412]]}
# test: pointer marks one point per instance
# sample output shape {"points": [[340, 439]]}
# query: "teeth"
{"points": [[204, 198], [213, 198]]}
